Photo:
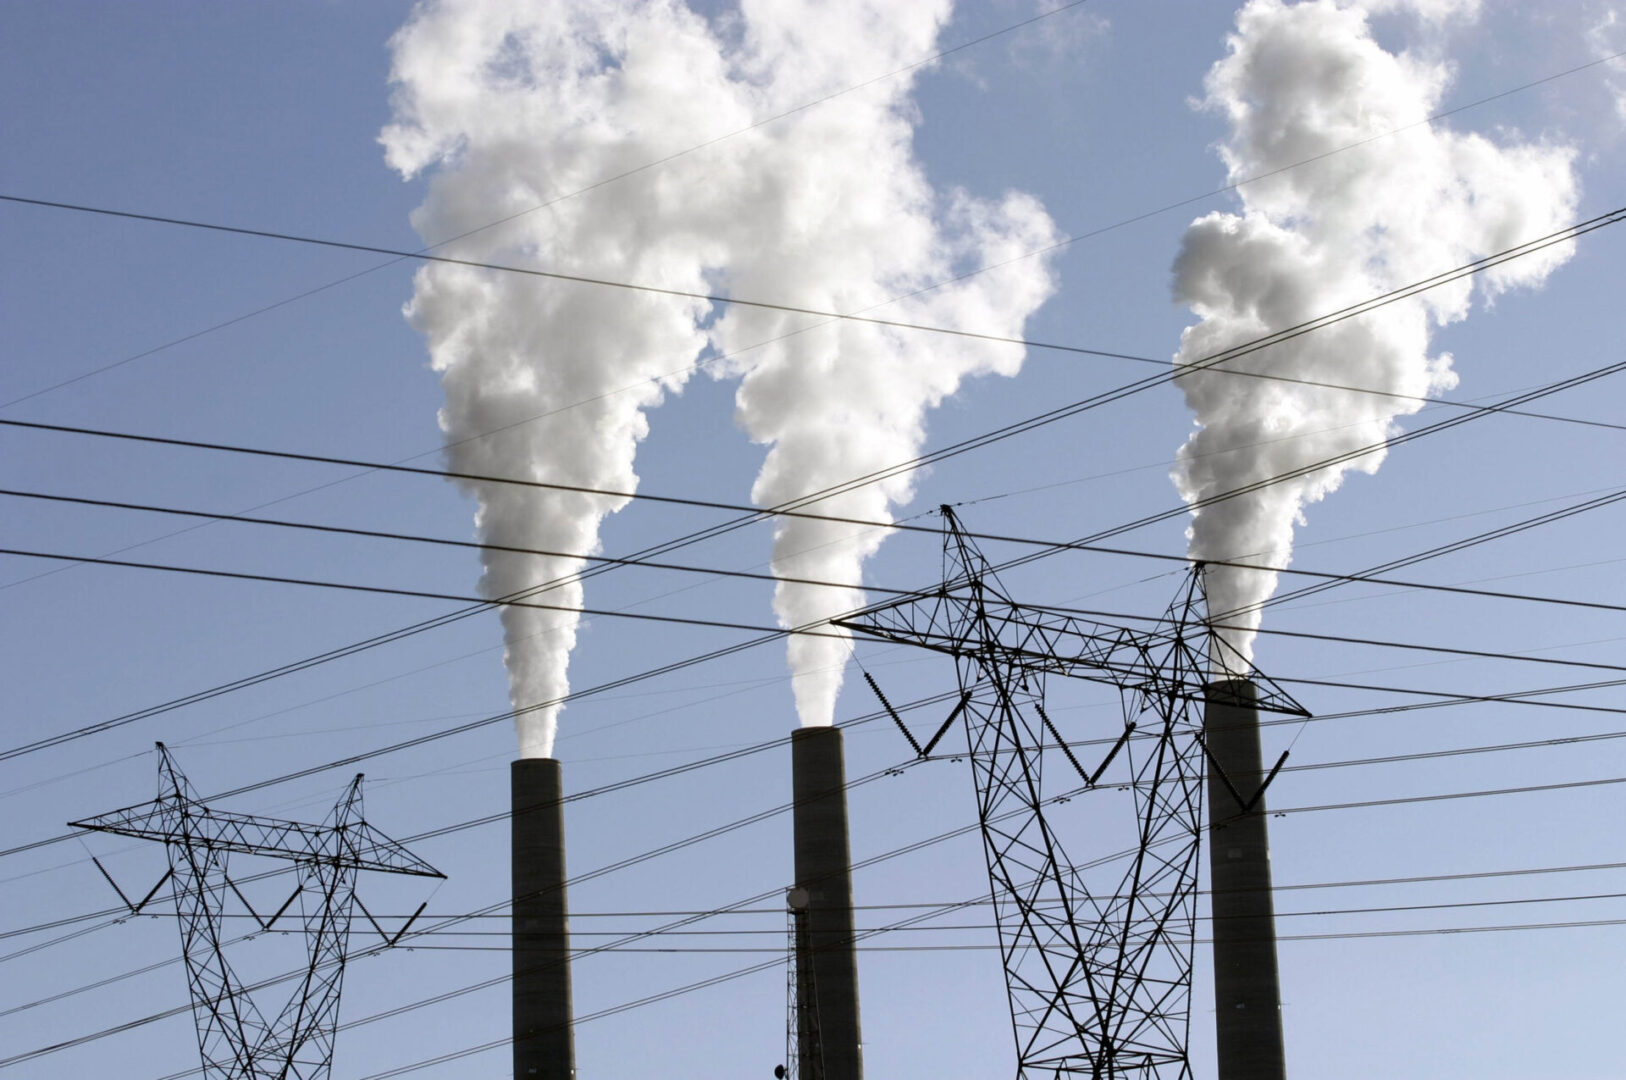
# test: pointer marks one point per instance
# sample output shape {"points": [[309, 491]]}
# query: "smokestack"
{"points": [[544, 1042], [824, 872], [1247, 989]]}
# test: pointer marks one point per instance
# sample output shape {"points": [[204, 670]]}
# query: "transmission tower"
{"points": [[804, 1042], [235, 1038], [1099, 979]]}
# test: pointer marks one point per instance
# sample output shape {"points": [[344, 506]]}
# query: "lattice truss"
{"points": [[1097, 958], [804, 1040], [235, 1036]]}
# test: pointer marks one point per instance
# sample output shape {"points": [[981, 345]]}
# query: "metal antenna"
{"points": [[1099, 980], [236, 1039], [804, 1042]]}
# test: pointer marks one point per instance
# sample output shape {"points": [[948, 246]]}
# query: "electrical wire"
{"points": [[1306, 470], [446, 830], [487, 720], [768, 965], [768, 634], [1499, 533], [779, 931], [1065, 242], [1563, 236], [810, 630], [1327, 580], [640, 935], [627, 173], [1474, 267], [1370, 576], [369, 643], [1525, 789], [1205, 363], [622, 942], [1465, 795], [1006, 432], [112, 914]]}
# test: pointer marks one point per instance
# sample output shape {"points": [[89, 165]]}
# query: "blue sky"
{"points": [[267, 117]]}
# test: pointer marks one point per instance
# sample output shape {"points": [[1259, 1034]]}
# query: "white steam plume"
{"points": [[1301, 80], [514, 104], [841, 218]]}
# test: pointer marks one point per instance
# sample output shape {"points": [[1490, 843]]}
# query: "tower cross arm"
{"points": [[186, 821], [171, 820], [369, 849], [1036, 639], [156, 820], [933, 621]]}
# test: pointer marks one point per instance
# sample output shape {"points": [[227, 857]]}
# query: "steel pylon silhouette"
{"points": [[1097, 959], [804, 1041], [235, 1038]]}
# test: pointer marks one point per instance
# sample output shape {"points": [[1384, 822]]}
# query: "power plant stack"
{"points": [[1247, 990], [824, 872], [544, 1042]]}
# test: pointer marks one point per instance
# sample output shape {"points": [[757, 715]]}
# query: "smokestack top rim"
{"points": [[1235, 690], [815, 731]]}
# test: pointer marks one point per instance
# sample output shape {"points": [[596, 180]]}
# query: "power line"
{"points": [[424, 255], [812, 629], [924, 702], [779, 931], [760, 967], [1570, 232], [1327, 579], [603, 789], [1048, 547], [1067, 241], [502, 716], [768, 965], [1475, 266], [1021, 427], [724, 572], [916, 846], [1457, 545], [941, 698], [906, 849], [603, 182], [130, 717], [1562, 236], [1306, 470]]}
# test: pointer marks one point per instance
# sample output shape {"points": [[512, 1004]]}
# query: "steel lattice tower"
{"points": [[236, 1040], [1099, 979], [804, 1050]]}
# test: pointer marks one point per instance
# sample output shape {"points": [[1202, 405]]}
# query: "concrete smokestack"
{"points": [[1247, 989], [544, 1042], [824, 871]]}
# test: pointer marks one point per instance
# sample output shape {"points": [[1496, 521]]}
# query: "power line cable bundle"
{"points": [[1505, 406]]}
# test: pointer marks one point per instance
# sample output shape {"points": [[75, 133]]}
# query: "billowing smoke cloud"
{"points": [[844, 220], [513, 104], [1301, 80], [516, 104]]}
